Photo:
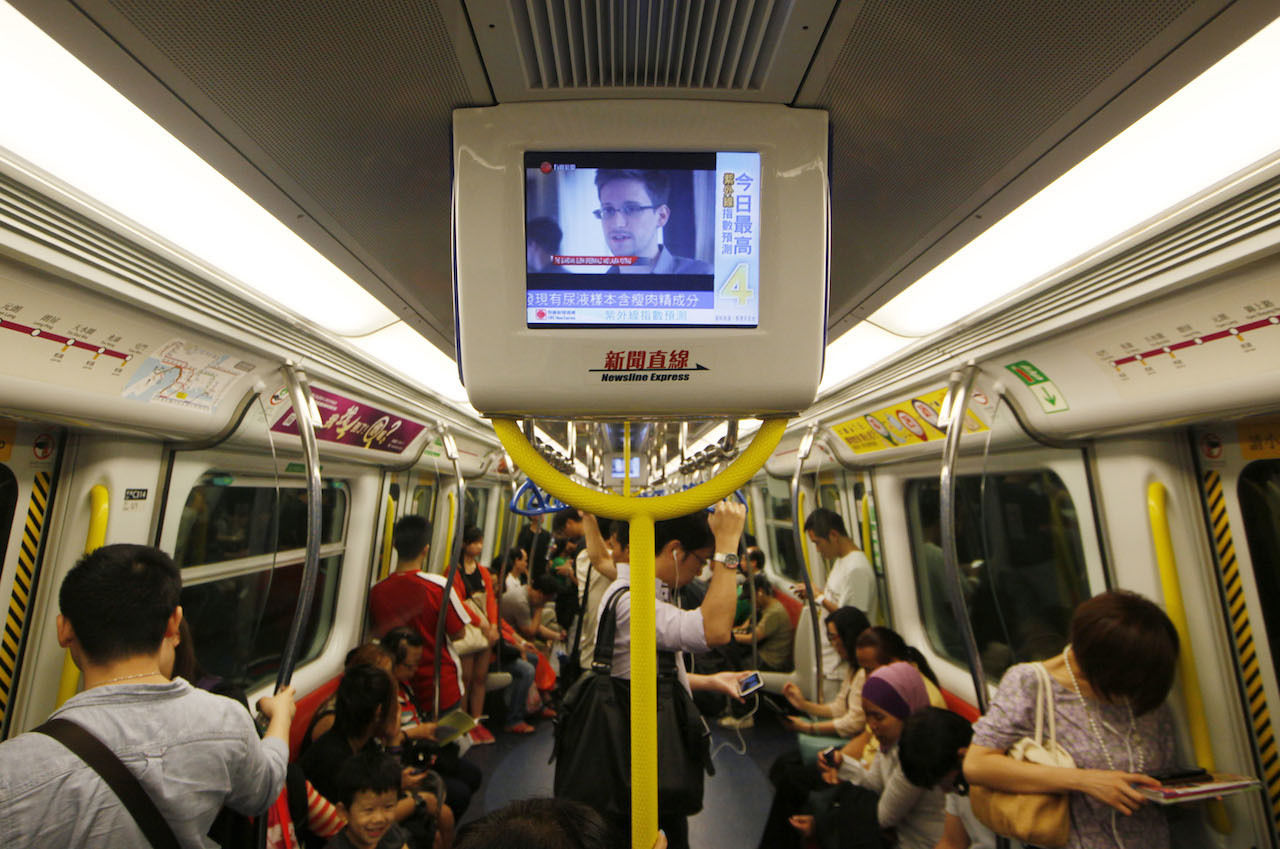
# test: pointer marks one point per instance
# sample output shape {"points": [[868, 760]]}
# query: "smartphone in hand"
{"points": [[749, 684]]}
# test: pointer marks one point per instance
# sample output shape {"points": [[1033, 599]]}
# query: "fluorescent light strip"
{"points": [[64, 119], [1220, 123]]}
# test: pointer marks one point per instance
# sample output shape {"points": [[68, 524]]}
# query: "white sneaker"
{"points": [[736, 721]]}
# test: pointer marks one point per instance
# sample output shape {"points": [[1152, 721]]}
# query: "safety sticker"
{"points": [[1044, 390]]}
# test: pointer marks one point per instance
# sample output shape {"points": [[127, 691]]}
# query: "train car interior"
{"points": [[1002, 291]]}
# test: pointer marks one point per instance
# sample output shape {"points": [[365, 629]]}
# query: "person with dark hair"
{"points": [[474, 585], [842, 718], [850, 581], [1109, 688], [681, 547], [193, 752], [933, 745], [773, 634], [368, 790], [371, 654], [633, 210], [367, 711], [542, 243], [413, 597], [868, 800], [567, 546], [752, 565], [540, 824], [462, 778]]}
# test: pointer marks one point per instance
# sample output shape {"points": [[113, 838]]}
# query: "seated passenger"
{"points": [[371, 654], [461, 778], [752, 565], [412, 597], [932, 747], [366, 711], [867, 801], [191, 751], [522, 609], [876, 647], [475, 585], [368, 790], [773, 636], [842, 717]]}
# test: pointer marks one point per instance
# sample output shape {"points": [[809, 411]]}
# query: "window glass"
{"points": [[424, 501], [239, 625], [785, 558], [1259, 494], [227, 522], [8, 505], [1018, 540], [476, 508]]}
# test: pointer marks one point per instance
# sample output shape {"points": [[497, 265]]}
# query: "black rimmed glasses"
{"points": [[627, 210]]}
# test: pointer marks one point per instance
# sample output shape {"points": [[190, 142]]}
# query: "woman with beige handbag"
{"points": [[476, 645], [1102, 702]]}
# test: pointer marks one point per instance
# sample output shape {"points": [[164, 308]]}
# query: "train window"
{"points": [[784, 557], [223, 522], [1259, 494], [8, 505], [1020, 550], [476, 509], [239, 591], [424, 501]]}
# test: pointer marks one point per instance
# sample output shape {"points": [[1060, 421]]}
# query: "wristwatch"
{"points": [[730, 560]]}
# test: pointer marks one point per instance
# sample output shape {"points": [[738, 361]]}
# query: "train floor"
{"points": [[735, 802]]}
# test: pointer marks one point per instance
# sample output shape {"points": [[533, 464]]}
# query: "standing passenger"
{"points": [[682, 546], [191, 751], [851, 581]]}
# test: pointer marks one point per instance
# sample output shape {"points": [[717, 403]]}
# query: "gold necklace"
{"points": [[129, 677]]}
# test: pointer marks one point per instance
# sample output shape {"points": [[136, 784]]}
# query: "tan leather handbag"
{"points": [[1040, 818]]}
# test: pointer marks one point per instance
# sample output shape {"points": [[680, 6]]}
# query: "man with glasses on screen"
{"points": [[633, 210]]}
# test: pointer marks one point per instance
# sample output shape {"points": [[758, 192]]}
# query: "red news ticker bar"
{"points": [[61, 340], [1199, 340]]}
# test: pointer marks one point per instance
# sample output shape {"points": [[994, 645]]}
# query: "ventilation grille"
{"points": [[71, 234], [1243, 217], [699, 44]]}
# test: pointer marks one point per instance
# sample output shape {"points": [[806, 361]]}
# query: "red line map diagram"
{"points": [[1199, 340], [67, 341]]}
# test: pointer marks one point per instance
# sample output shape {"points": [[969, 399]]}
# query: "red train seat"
{"points": [[307, 706]]}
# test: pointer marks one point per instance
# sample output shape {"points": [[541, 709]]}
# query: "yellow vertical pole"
{"points": [[99, 512], [1192, 698], [644, 699], [388, 530]]}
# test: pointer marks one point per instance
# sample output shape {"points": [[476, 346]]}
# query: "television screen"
{"points": [[628, 239], [619, 466]]}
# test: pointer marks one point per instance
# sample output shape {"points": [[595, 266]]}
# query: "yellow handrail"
{"points": [[99, 511], [865, 511], [1193, 700], [641, 513], [448, 532], [388, 529]]}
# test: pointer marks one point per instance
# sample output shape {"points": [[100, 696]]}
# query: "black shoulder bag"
{"points": [[571, 667], [592, 749], [123, 783]]}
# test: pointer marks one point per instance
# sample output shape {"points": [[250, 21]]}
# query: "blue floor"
{"points": [[735, 803]]}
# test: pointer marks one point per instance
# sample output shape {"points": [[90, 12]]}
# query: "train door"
{"points": [[1239, 476], [28, 454]]}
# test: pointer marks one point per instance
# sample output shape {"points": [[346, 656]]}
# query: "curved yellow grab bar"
{"points": [[865, 515], [1192, 698], [449, 529], [388, 529], [99, 512], [641, 513]]}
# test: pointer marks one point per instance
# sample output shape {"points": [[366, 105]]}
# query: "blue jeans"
{"points": [[521, 672]]}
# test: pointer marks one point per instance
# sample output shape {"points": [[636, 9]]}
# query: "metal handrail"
{"points": [[802, 454], [961, 385], [455, 555], [305, 414]]}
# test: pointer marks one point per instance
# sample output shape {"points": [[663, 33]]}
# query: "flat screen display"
{"points": [[619, 468], [629, 239]]}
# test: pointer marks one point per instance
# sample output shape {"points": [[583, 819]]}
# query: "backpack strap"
{"points": [[602, 661], [122, 782]]}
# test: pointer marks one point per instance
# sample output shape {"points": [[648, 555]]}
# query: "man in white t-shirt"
{"points": [[851, 580]]}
